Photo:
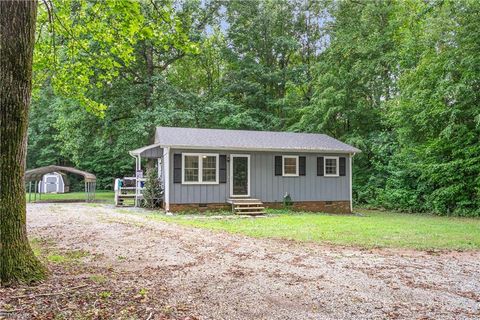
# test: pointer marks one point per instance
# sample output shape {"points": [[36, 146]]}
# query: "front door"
{"points": [[240, 175]]}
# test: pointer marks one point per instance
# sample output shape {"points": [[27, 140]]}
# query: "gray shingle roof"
{"points": [[249, 140]]}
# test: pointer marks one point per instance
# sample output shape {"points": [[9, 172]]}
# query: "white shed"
{"points": [[52, 183]]}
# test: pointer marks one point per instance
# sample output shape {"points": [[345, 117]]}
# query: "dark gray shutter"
{"points": [[222, 167], [278, 165], [342, 163], [320, 170], [177, 168], [302, 163]]}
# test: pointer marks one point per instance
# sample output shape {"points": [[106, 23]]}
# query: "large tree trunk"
{"points": [[18, 264]]}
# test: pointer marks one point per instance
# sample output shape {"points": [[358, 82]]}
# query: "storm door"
{"points": [[240, 175]]}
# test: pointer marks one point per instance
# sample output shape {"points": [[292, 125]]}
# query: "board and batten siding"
{"points": [[264, 184]]}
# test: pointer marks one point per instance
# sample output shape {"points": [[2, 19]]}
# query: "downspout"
{"points": [[351, 175]]}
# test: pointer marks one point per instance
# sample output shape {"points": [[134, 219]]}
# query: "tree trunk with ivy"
{"points": [[18, 263]]}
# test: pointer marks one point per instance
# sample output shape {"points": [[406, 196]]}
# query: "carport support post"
{"points": [[35, 191], [30, 191]]}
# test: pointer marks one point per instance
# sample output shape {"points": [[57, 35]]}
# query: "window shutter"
{"points": [[342, 163], [222, 167], [278, 165], [302, 163], [320, 170], [177, 168]]}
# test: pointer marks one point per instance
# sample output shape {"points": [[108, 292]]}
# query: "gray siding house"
{"points": [[208, 168]]}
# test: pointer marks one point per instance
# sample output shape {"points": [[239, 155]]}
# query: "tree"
{"points": [[99, 75], [18, 263], [152, 194]]}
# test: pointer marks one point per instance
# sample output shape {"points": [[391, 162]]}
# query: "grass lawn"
{"points": [[368, 229], [104, 196]]}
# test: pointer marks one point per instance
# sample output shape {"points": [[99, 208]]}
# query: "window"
{"points": [[290, 166], [192, 167], [209, 165], [331, 166], [200, 168]]}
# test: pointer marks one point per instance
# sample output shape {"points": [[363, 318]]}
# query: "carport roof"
{"points": [[38, 173]]}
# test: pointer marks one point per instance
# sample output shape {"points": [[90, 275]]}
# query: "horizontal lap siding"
{"points": [[264, 184]]}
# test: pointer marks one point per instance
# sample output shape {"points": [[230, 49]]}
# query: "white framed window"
{"points": [[330, 167], [290, 166], [200, 168]]}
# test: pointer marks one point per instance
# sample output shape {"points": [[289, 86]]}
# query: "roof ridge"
{"points": [[244, 130], [235, 139]]}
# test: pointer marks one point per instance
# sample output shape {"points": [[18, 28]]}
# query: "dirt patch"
{"points": [[79, 289], [209, 275]]}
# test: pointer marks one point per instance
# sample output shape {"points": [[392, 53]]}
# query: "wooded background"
{"points": [[398, 79]]}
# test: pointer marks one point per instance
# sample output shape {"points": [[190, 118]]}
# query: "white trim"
{"points": [[350, 172], [51, 175], [231, 174], [296, 166], [138, 167], [159, 168], [325, 167], [300, 150], [166, 177], [200, 168]]}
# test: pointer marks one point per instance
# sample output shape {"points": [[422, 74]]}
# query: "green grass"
{"points": [[104, 196], [67, 257], [44, 249], [98, 278], [367, 229]]}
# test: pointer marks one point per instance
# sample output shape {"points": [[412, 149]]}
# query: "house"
{"points": [[206, 169]]}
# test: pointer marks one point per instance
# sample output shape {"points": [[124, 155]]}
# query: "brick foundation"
{"points": [[313, 206], [196, 207]]}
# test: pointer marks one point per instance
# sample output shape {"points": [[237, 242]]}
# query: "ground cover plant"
{"points": [[100, 196], [366, 228]]}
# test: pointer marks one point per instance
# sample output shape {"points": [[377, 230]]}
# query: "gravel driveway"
{"points": [[223, 276]]}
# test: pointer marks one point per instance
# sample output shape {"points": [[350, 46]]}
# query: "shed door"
{"points": [[51, 183], [240, 175]]}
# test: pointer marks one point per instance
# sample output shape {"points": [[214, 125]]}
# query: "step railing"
{"points": [[129, 187]]}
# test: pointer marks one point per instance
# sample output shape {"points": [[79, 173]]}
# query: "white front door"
{"points": [[240, 175]]}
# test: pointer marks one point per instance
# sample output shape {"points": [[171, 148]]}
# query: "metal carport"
{"points": [[35, 175]]}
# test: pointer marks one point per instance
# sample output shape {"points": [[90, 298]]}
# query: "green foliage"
{"points": [[152, 193], [399, 80], [287, 201]]}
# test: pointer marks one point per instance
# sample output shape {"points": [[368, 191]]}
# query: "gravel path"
{"points": [[223, 276]]}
